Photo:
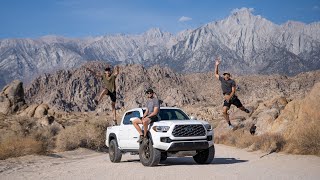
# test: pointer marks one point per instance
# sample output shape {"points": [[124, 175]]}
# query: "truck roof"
{"points": [[143, 108]]}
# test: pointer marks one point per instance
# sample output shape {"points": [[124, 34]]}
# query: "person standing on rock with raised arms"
{"points": [[228, 87], [109, 87]]}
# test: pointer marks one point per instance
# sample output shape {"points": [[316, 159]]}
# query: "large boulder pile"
{"points": [[12, 102], [12, 98], [299, 113]]}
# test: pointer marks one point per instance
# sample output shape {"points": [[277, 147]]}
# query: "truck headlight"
{"points": [[161, 128], [208, 127]]}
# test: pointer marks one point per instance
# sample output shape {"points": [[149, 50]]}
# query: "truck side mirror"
{"points": [[193, 118]]}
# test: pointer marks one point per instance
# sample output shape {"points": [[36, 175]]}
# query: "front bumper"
{"points": [[183, 145], [188, 146], [165, 141]]}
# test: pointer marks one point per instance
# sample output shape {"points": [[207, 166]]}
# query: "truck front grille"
{"points": [[189, 130]]}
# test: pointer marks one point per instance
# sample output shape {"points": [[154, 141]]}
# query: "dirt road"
{"points": [[229, 163]]}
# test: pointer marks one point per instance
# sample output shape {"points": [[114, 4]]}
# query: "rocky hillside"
{"points": [[248, 43], [34, 119], [39, 129], [277, 124], [74, 90]]}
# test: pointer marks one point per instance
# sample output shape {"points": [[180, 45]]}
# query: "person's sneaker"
{"points": [[95, 102], [141, 137], [115, 122], [231, 127], [250, 112]]}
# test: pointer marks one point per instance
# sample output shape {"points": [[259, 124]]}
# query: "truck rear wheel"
{"points": [[149, 156], [204, 156], [114, 152]]}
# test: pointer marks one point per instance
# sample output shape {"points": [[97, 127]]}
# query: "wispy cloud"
{"points": [[184, 19], [316, 7]]}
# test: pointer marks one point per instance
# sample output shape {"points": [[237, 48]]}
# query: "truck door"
{"points": [[128, 134]]}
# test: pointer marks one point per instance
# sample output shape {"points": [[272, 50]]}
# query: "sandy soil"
{"points": [[229, 163]]}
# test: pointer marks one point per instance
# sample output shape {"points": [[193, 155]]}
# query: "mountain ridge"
{"points": [[248, 44]]}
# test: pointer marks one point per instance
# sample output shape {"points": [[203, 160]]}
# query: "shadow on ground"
{"points": [[227, 161], [55, 155], [190, 161]]}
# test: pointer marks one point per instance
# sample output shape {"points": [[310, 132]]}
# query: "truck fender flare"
{"points": [[112, 136], [150, 137]]}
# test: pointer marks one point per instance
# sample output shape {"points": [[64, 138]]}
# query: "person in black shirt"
{"points": [[228, 87]]}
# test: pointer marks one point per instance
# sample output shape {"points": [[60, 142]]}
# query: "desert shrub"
{"points": [[46, 136], [88, 134], [14, 146], [268, 142], [306, 139], [22, 136], [243, 139]]}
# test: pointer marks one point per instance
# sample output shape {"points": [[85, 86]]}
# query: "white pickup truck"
{"points": [[175, 132]]}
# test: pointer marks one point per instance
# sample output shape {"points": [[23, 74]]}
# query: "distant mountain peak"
{"points": [[247, 42], [154, 32], [242, 11]]}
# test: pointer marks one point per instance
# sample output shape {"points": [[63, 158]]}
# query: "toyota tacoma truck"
{"points": [[174, 132]]}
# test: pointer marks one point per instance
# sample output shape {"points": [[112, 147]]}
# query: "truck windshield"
{"points": [[172, 114]]}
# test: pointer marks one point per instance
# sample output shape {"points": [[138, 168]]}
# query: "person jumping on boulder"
{"points": [[228, 87], [150, 115], [109, 87]]}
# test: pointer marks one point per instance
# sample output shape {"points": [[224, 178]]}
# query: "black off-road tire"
{"points": [[114, 151], [149, 156], [164, 156], [204, 156]]}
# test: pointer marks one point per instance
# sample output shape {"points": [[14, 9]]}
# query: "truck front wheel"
{"points": [[114, 152], [164, 156], [204, 156], [149, 156]]}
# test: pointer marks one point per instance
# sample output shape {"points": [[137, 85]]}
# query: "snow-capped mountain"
{"points": [[247, 43]]}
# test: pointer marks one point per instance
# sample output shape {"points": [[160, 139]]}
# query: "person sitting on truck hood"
{"points": [[150, 115]]}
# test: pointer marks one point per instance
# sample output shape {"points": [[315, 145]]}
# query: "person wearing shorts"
{"points": [[109, 88], [150, 115], [228, 87]]}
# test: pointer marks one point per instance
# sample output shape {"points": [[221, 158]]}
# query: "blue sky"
{"points": [[82, 18]]}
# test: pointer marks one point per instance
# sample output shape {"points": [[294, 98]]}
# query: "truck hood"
{"points": [[175, 122]]}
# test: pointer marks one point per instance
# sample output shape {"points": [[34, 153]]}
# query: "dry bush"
{"points": [[306, 139], [269, 142], [88, 134], [243, 139], [45, 135], [19, 146], [237, 138], [22, 136]]}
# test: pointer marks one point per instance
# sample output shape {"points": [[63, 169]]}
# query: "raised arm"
{"points": [[117, 70], [216, 69]]}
